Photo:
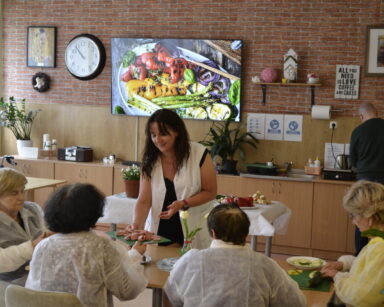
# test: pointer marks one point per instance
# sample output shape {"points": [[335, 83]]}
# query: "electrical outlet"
{"points": [[333, 125]]}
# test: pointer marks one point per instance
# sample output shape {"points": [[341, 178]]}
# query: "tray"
{"points": [[113, 235]]}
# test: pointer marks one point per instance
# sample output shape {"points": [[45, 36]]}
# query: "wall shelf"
{"points": [[264, 86]]}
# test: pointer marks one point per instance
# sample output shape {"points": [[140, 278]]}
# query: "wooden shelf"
{"points": [[312, 86]]}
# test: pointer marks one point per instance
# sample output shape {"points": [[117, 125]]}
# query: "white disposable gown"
{"points": [[230, 276], [87, 265]]}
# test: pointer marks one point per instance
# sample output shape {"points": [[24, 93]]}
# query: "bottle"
{"points": [[54, 144], [46, 141], [317, 162], [310, 162]]}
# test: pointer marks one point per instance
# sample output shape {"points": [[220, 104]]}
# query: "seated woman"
{"points": [[229, 273], [359, 281], [21, 227], [78, 261]]}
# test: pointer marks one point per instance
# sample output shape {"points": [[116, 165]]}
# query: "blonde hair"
{"points": [[10, 179], [366, 198]]}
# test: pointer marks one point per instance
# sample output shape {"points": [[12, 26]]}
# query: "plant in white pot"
{"points": [[225, 141], [18, 120]]}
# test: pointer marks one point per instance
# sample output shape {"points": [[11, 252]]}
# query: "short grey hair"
{"points": [[10, 179], [366, 198]]}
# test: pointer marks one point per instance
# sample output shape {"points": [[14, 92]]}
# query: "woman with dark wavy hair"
{"points": [[176, 175]]}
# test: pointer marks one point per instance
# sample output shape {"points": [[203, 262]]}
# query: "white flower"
{"points": [[183, 214]]}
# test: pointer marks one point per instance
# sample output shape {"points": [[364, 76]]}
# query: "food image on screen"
{"points": [[199, 79]]}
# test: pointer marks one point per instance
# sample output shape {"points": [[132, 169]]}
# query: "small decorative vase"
{"points": [[23, 143], [187, 245], [132, 188]]}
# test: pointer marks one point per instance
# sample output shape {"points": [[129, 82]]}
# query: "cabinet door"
{"points": [[330, 220], [98, 175], [228, 184], [40, 169], [250, 186], [298, 197], [118, 182]]}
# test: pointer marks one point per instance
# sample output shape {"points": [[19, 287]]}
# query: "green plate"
{"points": [[113, 235]]}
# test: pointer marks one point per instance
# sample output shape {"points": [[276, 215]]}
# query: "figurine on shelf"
{"points": [[312, 78], [290, 65], [256, 79]]}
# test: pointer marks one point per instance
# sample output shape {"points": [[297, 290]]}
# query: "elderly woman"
{"points": [[78, 261], [230, 273], [21, 227], [359, 281]]}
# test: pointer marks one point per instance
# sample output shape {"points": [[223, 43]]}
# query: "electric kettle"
{"points": [[342, 162]]}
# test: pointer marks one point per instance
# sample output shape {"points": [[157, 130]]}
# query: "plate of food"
{"points": [[159, 75], [306, 263], [137, 235]]}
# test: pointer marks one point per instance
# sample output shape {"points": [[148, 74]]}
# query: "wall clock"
{"points": [[85, 56]]}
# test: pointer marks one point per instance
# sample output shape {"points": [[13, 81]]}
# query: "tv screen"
{"points": [[199, 79]]}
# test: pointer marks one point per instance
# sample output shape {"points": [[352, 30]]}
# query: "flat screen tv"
{"points": [[199, 79]]}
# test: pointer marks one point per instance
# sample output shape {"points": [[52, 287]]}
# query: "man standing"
{"points": [[367, 153]]}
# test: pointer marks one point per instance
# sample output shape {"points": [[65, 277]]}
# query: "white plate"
{"points": [[313, 263]]}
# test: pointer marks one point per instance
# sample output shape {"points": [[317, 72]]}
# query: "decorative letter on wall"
{"points": [[290, 65]]}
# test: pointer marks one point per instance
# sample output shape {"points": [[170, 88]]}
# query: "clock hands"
{"points": [[78, 50]]}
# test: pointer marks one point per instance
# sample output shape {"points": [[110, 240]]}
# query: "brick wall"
{"points": [[324, 33]]}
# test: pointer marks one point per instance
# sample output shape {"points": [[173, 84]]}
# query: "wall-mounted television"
{"points": [[198, 78]]}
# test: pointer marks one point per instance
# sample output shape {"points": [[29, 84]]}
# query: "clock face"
{"points": [[85, 57]]}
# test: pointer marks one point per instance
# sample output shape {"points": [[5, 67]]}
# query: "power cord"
{"points": [[333, 153]]}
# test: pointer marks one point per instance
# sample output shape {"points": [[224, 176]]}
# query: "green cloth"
{"points": [[302, 280], [113, 235]]}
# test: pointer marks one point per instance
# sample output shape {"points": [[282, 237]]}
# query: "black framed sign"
{"points": [[41, 46], [374, 56]]}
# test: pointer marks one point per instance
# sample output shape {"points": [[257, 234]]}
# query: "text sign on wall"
{"points": [[347, 81]]}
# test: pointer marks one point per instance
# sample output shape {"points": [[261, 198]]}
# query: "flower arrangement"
{"points": [[131, 172], [17, 119], [188, 235]]}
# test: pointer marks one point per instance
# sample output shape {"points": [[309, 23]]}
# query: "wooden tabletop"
{"points": [[37, 183]]}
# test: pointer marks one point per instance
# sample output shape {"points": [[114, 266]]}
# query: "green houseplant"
{"points": [[131, 177], [225, 141], [16, 118]]}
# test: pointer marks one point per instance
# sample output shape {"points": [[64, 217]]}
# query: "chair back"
{"points": [[16, 296], [3, 286]]}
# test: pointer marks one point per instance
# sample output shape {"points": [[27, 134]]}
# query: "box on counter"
{"points": [[315, 170]]}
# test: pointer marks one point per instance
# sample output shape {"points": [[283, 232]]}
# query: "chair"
{"points": [[16, 296], [3, 286]]}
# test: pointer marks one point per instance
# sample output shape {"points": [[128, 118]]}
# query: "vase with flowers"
{"points": [[131, 177], [18, 120], [189, 235]]}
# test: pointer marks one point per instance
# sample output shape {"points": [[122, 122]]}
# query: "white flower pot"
{"points": [[23, 143]]}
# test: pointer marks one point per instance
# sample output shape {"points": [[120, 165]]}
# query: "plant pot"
{"points": [[229, 167], [132, 188], [23, 143]]}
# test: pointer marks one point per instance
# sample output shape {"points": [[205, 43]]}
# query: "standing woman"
{"points": [[176, 174], [21, 227]]}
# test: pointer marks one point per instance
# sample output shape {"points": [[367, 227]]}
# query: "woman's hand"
{"points": [[171, 210], [331, 269]]}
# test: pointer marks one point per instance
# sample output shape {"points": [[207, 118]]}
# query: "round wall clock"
{"points": [[85, 56]]}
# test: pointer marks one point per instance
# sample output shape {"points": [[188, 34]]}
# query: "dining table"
{"points": [[158, 277], [34, 183], [266, 220]]}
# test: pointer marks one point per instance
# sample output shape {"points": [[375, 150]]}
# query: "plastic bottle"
{"points": [[54, 144], [310, 163], [317, 162]]}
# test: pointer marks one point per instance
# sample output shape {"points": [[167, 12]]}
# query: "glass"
{"points": [[187, 245]]}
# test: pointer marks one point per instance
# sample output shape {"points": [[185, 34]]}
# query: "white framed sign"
{"points": [[347, 81]]}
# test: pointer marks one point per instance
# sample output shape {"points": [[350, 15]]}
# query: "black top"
{"points": [[367, 149], [171, 229]]}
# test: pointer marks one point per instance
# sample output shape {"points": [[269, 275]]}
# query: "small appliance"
{"points": [[343, 162], [339, 174], [75, 153]]}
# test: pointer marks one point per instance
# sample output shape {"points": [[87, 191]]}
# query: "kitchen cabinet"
{"points": [[332, 228], [118, 182], [40, 169], [95, 173]]}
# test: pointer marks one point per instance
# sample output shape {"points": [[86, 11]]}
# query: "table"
{"points": [[35, 183], [157, 278], [266, 220]]}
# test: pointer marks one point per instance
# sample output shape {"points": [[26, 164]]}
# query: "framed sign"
{"points": [[347, 81], [41, 46], [374, 54]]}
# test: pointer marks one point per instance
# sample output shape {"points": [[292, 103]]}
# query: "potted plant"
{"points": [[131, 177], [18, 120], [225, 142]]}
